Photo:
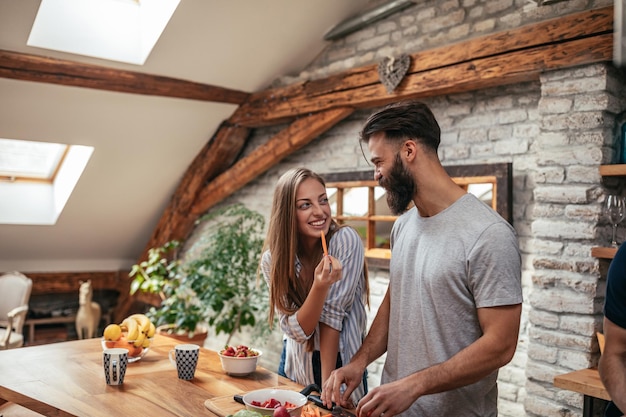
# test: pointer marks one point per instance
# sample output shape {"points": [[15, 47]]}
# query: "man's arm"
{"points": [[374, 345], [612, 365], [494, 349]]}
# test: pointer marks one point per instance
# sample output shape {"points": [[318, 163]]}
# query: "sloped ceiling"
{"points": [[144, 144]]}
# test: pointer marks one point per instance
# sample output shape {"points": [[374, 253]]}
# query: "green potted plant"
{"points": [[216, 283], [227, 266], [180, 311]]}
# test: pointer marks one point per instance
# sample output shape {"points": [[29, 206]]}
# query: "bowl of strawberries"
{"points": [[239, 360]]}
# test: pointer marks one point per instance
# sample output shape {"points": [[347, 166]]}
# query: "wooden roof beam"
{"points": [[298, 134], [28, 67], [498, 59]]}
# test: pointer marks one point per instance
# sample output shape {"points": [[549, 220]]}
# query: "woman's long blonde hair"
{"points": [[287, 292]]}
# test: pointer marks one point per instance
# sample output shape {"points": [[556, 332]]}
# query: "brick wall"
{"points": [[555, 132], [576, 115]]}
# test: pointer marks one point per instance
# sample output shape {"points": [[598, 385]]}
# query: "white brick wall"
{"points": [[556, 132]]}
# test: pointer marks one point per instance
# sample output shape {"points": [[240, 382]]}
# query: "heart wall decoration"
{"points": [[391, 71]]}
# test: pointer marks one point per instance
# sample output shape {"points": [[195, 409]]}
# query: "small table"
{"points": [[67, 379], [31, 323], [586, 382]]}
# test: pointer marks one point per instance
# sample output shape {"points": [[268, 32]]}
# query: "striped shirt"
{"points": [[344, 310]]}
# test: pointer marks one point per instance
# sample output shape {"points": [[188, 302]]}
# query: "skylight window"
{"points": [[21, 159], [117, 30], [37, 179]]}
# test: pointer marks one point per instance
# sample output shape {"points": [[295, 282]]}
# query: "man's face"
{"points": [[399, 185], [391, 174]]}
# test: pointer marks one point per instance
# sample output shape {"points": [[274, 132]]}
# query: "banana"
{"points": [[132, 327], [143, 321], [152, 330], [141, 337], [146, 343]]}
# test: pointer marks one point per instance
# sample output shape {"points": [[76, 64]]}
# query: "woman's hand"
{"points": [[328, 271]]}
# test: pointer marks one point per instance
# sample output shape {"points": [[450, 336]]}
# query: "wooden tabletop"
{"points": [[67, 379], [585, 381]]}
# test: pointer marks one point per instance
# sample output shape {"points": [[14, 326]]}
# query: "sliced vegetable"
{"points": [[310, 411], [272, 403], [241, 351]]}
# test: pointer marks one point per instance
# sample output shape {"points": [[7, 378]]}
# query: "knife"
{"points": [[335, 410]]}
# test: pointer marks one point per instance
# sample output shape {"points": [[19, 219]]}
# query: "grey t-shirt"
{"points": [[442, 269]]}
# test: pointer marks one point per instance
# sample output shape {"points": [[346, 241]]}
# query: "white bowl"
{"points": [[238, 366], [281, 395]]}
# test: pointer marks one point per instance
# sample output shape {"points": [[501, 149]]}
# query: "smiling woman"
{"points": [[319, 298]]}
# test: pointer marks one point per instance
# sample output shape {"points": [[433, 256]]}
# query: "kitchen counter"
{"points": [[67, 379]]}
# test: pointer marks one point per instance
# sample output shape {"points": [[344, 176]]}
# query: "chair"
{"points": [[15, 291]]}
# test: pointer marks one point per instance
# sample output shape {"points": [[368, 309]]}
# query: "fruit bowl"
{"points": [[134, 334], [135, 353], [239, 361], [254, 399]]}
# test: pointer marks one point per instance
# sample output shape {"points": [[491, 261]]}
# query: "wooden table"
{"points": [[586, 382], [67, 379]]}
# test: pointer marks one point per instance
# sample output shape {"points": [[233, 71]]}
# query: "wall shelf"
{"points": [[602, 252], [613, 170]]}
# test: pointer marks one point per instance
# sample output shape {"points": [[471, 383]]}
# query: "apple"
{"points": [[133, 351], [281, 411]]}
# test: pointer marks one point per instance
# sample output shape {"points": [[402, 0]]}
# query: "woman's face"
{"points": [[312, 208]]}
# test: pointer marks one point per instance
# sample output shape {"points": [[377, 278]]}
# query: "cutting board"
{"points": [[223, 406], [226, 405]]}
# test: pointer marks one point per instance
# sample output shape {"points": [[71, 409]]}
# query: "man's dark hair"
{"points": [[404, 120]]}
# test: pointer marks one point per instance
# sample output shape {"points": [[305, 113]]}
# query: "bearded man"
{"points": [[450, 318]]}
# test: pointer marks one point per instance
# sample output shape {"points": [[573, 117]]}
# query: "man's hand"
{"points": [[351, 375], [386, 400]]}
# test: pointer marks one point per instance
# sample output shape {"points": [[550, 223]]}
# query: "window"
{"points": [[118, 30], [361, 204], [358, 201], [26, 160], [37, 179]]}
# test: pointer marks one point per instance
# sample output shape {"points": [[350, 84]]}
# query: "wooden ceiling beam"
{"points": [[298, 134], [28, 67], [498, 59]]}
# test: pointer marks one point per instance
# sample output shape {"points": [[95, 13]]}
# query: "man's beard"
{"points": [[400, 187]]}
